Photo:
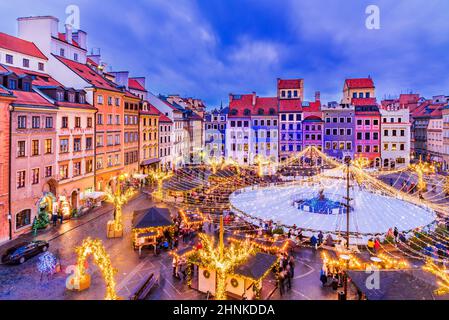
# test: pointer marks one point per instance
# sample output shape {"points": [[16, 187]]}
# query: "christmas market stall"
{"points": [[151, 227]]}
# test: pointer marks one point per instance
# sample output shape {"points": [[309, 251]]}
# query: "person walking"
{"points": [[288, 277], [396, 234], [281, 281], [313, 241], [320, 238], [291, 263]]}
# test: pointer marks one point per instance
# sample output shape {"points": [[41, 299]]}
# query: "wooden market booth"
{"points": [[149, 225]]}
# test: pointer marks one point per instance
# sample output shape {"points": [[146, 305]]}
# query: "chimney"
{"points": [[317, 96], [231, 97], [254, 99], [81, 38], [68, 33]]}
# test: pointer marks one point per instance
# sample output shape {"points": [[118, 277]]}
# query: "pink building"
{"points": [[367, 130]]}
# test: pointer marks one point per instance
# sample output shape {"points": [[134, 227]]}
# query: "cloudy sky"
{"points": [[208, 49]]}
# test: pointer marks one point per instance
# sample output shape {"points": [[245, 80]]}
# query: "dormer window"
{"points": [[9, 59], [26, 86], [71, 97], [82, 99], [12, 84], [60, 96]]}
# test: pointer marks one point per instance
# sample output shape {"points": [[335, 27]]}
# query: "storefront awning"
{"points": [[149, 162]]}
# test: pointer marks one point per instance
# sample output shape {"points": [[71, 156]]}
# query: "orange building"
{"points": [[108, 99], [131, 132], [6, 98]]}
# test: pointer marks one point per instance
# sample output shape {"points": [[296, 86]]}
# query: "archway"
{"points": [[74, 200], [80, 280]]}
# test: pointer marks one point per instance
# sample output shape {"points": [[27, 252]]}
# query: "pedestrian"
{"points": [[320, 238], [313, 241], [288, 277], [54, 218], [281, 282], [60, 217], [291, 263], [376, 244], [396, 234], [323, 277]]}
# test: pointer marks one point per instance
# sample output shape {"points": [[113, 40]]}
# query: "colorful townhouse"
{"points": [[149, 137], [6, 98], [74, 145], [313, 124], [238, 128], [165, 142], [215, 132], [360, 92], [339, 130], [445, 115], [131, 108], [290, 95], [395, 137], [265, 130]]}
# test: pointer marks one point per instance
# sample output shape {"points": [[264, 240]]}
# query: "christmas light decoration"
{"points": [[422, 168], [118, 197], [160, 176], [47, 263], [95, 249], [441, 273]]}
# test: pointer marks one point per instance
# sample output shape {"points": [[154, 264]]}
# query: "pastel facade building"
{"points": [[313, 132], [339, 130], [395, 138], [265, 129], [238, 128], [290, 117], [358, 88], [165, 142], [215, 132], [6, 98], [149, 137], [367, 133], [445, 115], [74, 145], [435, 140]]}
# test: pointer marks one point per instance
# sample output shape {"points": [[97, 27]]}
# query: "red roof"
{"points": [[3, 91], [61, 36], [152, 110], [290, 105], [66, 104], [244, 102], [89, 75], [134, 84], [360, 83], [41, 79], [364, 101], [22, 46], [31, 99], [266, 104], [164, 118], [131, 95], [290, 83], [92, 62]]}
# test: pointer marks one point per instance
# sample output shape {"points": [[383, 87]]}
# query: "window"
{"points": [[48, 122], [36, 122], [117, 102], [35, 147], [48, 146], [89, 144], [75, 56], [110, 101], [99, 163], [99, 141], [375, 122], [21, 149], [65, 123], [64, 146], [89, 122], [23, 219], [12, 84], [117, 119], [100, 99], [77, 145], [26, 86], [110, 140], [41, 66], [48, 171], [9, 59], [62, 52], [21, 122], [21, 179], [77, 122], [26, 63], [99, 119], [60, 96], [35, 176], [76, 169], [109, 118], [64, 172], [89, 166]]}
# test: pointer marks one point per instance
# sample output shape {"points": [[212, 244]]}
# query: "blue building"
{"points": [[215, 132]]}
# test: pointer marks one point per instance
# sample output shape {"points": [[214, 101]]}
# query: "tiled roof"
{"points": [[22, 46], [266, 104], [364, 101], [237, 106], [89, 75], [4, 91], [40, 79], [62, 37], [31, 99], [134, 84], [84, 106], [290, 105], [290, 83], [360, 83]]}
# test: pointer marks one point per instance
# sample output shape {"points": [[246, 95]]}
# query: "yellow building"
{"points": [[149, 137], [360, 88], [131, 132]]}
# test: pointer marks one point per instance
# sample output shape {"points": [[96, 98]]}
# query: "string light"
{"points": [[96, 249], [160, 176], [441, 273], [421, 168]]}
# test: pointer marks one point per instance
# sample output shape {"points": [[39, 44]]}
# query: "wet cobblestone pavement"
{"points": [[24, 282]]}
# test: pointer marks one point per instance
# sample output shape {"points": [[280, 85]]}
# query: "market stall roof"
{"points": [[151, 218], [149, 162], [184, 251], [183, 185], [395, 285], [94, 195], [223, 173], [256, 266], [147, 234]]}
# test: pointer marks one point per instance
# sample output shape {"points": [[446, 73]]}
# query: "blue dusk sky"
{"points": [[208, 49]]}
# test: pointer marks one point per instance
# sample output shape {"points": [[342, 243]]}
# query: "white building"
{"points": [[395, 138], [435, 139]]}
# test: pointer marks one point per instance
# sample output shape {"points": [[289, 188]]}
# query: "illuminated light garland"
{"points": [[421, 168], [223, 260], [118, 198], [101, 258], [214, 163], [441, 273], [160, 176]]}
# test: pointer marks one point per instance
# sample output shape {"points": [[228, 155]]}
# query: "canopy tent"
{"points": [[395, 285], [152, 218], [257, 266]]}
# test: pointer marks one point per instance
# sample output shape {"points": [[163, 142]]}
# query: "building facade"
{"points": [[339, 130], [395, 138], [215, 133]]}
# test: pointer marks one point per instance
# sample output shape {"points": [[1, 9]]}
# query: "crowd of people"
{"points": [[286, 272]]}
